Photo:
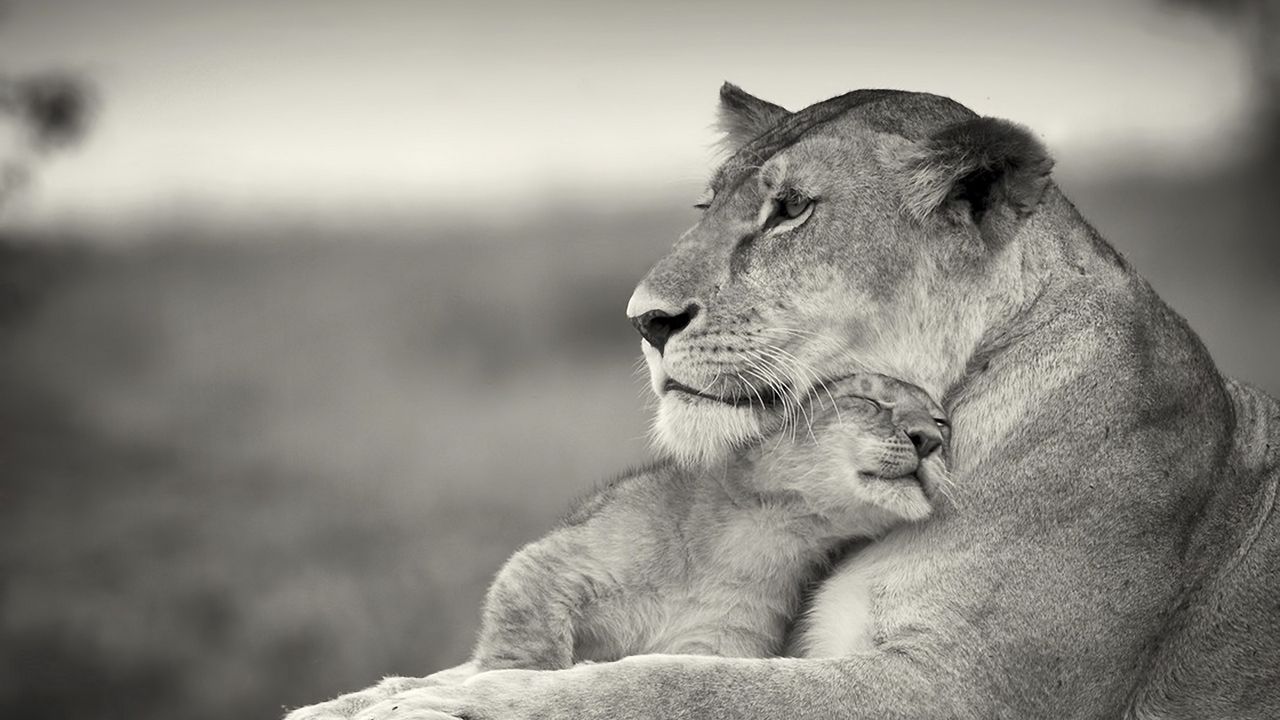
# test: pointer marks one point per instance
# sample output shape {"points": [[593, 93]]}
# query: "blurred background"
{"points": [[311, 311]]}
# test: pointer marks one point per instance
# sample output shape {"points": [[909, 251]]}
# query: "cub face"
{"points": [[870, 451]]}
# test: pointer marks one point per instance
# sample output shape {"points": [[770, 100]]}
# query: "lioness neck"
{"points": [[945, 327], [1078, 307]]}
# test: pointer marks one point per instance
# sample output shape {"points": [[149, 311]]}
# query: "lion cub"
{"points": [[714, 561]]}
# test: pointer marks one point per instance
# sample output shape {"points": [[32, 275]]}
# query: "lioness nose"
{"points": [[924, 435], [657, 326]]}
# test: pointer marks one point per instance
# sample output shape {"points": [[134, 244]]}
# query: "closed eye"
{"points": [[704, 200], [873, 403]]}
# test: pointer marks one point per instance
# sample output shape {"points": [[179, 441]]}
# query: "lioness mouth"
{"points": [[762, 397]]}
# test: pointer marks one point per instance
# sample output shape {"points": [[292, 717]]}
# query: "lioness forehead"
{"points": [[910, 115]]}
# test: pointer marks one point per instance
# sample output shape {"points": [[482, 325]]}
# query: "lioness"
{"points": [[658, 561], [1111, 549]]}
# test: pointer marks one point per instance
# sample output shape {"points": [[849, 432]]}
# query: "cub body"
{"points": [[713, 560]]}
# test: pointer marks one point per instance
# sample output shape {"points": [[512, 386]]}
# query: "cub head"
{"points": [[883, 428], [870, 449], [878, 231]]}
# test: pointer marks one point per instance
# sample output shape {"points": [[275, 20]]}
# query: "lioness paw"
{"points": [[342, 708], [347, 706], [494, 695]]}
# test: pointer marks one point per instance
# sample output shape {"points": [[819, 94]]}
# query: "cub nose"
{"points": [[925, 435], [657, 326]]}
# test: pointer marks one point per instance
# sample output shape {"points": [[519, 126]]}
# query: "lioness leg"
{"points": [[875, 685], [346, 706]]}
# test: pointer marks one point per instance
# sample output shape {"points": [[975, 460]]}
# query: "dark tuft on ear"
{"points": [[744, 117], [974, 169]]}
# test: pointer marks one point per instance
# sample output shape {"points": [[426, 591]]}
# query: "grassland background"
{"points": [[243, 473]]}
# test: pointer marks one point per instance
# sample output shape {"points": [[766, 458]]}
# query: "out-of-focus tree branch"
{"points": [[46, 112], [39, 114], [57, 108]]}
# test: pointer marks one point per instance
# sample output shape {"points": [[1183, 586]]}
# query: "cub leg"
{"points": [[528, 614]]}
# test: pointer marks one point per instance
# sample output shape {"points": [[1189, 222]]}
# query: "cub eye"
{"points": [[873, 403]]}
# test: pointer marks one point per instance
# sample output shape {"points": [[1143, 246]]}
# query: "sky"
{"points": [[330, 105]]}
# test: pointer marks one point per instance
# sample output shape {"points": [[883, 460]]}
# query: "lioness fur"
{"points": [[1111, 548]]}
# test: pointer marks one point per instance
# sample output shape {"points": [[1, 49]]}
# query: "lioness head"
{"points": [[876, 231]]}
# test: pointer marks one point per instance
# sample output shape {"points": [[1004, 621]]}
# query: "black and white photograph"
{"points": [[569, 360]]}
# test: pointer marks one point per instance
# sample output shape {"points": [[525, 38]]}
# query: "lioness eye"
{"points": [[787, 210], [794, 203]]}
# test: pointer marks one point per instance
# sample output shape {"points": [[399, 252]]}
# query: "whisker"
{"points": [[782, 430], [946, 484], [784, 358], [706, 389], [787, 358], [778, 370], [827, 343], [784, 386], [751, 388], [771, 382]]}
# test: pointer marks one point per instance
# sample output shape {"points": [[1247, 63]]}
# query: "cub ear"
{"points": [[984, 171], [744, 117]]}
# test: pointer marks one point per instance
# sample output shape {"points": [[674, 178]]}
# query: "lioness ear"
{"points": [[985, 171], [744, 117]]}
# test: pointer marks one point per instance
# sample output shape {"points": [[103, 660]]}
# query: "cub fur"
{"points": [[708, 560], [658, 561]]}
